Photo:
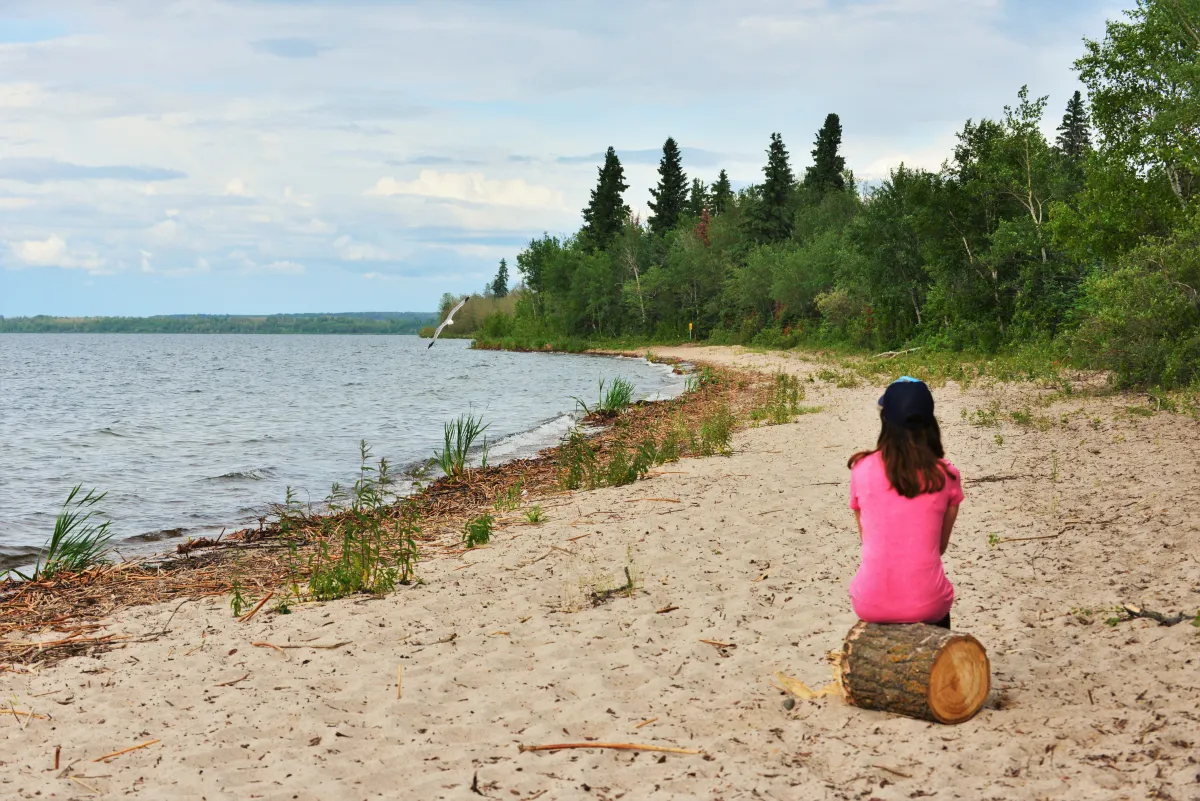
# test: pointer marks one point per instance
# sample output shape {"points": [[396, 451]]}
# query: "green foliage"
{"points": [[1074, 136], [499, 285], [606, 213], [828, 164], [535, 515], [365, 548], [1028, 254], [716, 431], [510, 499], [576, 461], [478, 530], [783, 402], [671, 194], [77, 542], [611, 401], [348, 323], [458, 438]]}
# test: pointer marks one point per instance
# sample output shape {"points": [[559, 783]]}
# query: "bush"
{"points": [[1142, 321]]}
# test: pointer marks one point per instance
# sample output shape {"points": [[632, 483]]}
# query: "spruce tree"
{"points": [[670, 198], [500, 284], [774, 216], [828, 164], [1074, 140], [698, 199], [607, 212], [722, 194]]}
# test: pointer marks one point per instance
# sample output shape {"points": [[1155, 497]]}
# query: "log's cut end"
{"points": [[960, 680], [915, 669]]}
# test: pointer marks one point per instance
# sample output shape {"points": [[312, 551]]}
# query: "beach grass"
{"points": [[458, 438], [77, 542]]}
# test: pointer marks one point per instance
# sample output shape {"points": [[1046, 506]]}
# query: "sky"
{"points": [[267, 156]]}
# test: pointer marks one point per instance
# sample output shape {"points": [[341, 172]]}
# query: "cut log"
{"points": [[916, 670]]}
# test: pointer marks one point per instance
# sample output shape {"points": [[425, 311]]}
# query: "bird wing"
{"points": [[449, 319], [450, 316]]}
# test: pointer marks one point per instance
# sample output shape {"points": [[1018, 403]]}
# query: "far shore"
{"points": [[659, 613]]}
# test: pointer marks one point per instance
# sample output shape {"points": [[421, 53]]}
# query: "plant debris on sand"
{"points": [[59, 616]]}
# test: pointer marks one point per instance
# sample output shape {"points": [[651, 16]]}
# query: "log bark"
{"points": [[916, 670]]}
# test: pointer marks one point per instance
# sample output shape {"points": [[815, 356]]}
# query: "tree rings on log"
{"points": [[916, 670]]}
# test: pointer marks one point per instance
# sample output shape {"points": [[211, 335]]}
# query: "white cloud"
{"points": [[237, 188], [472, 187], [53, 252], [14, 203], [165, 230], [350, 250], [147, 267]]}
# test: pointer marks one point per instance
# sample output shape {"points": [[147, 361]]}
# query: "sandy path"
{"points": [[758, 553]]}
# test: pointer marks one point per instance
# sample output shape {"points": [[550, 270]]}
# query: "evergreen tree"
{"points": [[1074, 140], [500, 284], [607, 212], [828, 164], [698, 199], [774, 217], [722, 194], [670, 198]]}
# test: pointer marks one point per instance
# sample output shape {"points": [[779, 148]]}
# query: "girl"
{"points": [[905, 497]]}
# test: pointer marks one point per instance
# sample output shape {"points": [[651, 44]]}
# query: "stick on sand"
{"points": [[616, 746], [146, 744]]}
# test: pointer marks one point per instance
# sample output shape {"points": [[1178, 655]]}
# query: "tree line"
{"points": [[346, 323], [1084, 245]]}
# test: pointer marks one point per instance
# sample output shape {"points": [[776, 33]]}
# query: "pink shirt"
{"points": [[901, 579]]}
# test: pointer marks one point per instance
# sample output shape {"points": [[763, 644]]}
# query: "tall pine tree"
{"points": [[698, 199], [607, 212], [828, 164], [670, 197], [722, 194], [774, 216], [500, 284], [1074, 137]]}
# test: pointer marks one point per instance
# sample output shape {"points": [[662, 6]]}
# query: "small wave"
{"points": [[256, 474], [18, 556], [109, 432]]}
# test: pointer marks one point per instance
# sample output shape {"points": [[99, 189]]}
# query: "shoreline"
{"points": [[236, 493], [445, 505], [659, 613]]}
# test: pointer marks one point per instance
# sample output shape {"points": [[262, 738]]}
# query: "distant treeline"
{"points": [[1082, 249], [344, 323]]}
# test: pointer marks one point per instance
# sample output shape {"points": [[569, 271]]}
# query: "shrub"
{"points": [[716, 431], [478, 530]]}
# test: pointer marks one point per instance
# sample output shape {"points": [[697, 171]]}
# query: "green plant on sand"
{"points": [[459, 435], [610, 402], [77, 542], [478, 530]]}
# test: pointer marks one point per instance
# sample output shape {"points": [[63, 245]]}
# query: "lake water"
{"points": [[192, 433]]}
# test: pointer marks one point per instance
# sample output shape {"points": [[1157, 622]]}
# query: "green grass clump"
{"points": [[535, 515], [375, 551], [77, 542], [510, 499], [459, 437], [478, 530], [576, 461], [716, 431], [611, 401], [784, 401]]}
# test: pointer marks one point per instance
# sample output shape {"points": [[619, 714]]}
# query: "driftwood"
{"points": [[916, 670], [891, 354]]}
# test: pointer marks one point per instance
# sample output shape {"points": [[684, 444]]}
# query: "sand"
{"points": [[502, 647]]}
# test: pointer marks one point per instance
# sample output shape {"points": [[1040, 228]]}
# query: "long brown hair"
{"points": [[912, 458]]}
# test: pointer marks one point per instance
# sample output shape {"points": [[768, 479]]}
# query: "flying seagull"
{"points": [[448, 321]]}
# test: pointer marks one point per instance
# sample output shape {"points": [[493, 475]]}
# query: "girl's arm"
{"points": [[947, 526], [858, 519]]}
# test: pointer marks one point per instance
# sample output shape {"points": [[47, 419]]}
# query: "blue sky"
{"points": [[256, 157]]}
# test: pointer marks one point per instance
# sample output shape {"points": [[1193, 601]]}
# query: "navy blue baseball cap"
{"points": [[908, 402]]}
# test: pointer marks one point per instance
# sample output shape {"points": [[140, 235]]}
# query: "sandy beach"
{"points": [[502, 646]]}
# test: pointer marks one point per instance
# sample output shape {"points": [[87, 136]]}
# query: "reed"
{"points": [[459, 436], [611, 401], [77, 542]]}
